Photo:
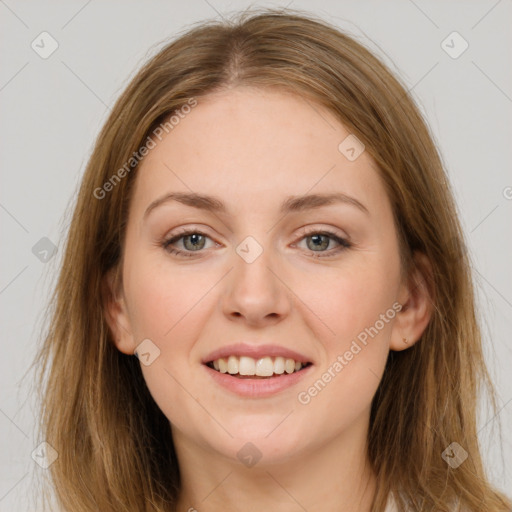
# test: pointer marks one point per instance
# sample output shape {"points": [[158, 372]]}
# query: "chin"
{"points": [[254, 449]]}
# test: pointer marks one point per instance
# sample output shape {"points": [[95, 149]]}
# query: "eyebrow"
{"points": [[289, 205]]}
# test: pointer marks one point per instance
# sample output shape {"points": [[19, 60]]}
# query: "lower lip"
{"points": [[257, 388]]}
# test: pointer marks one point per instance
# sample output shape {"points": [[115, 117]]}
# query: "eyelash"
{"points": [[344, 244]]}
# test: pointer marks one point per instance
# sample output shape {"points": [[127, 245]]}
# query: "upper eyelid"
{"points": [[306, 230], [303, 233]]}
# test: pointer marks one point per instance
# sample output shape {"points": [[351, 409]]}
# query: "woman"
{"points": [[266, 225]]}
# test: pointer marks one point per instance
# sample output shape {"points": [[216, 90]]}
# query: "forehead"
{"points": [[255, 146]]}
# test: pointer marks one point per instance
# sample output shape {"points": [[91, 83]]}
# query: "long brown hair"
{"points": [[115, 447]]}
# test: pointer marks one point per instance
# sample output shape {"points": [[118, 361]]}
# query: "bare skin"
{"points": [[252, 149]]}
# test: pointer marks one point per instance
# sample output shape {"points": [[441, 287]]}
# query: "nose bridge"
{"points": [[255, 290], [252, 263]]}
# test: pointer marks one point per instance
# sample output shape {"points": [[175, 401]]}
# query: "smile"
{"points": [[264, 367], [256, 385]]}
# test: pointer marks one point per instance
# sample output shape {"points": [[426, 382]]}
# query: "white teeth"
{"points": [[247, 366], [263, 367], [279, 365], [289, 366], [232, 365], [223, 365]]}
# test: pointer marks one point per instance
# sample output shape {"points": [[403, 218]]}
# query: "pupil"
{"points": [[194, 238], [317, 238]]}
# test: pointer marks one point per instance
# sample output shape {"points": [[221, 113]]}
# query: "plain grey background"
{"points": [[54, 105]]}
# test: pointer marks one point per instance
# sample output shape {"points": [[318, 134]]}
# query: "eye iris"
{"points": [[194, 236], [317, 237]]}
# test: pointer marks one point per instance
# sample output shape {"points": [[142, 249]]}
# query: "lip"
{"points": [[257, 388], [256, 352]]}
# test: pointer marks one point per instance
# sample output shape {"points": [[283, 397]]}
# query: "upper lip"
{"points": [[256, 352]]}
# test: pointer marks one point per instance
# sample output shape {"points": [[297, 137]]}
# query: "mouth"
{"points": [[245, 367]]}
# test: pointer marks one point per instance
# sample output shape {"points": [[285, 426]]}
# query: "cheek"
{"points": [[351, 301], [361, 315], [357, 307], [361, 303], [162, 297], [166, 307]]}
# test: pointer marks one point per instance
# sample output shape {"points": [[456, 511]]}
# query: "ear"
{"points": [[416, 296], [116, 312]]}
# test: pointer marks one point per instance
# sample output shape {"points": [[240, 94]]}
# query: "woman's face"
{"points": [[260, 269]]}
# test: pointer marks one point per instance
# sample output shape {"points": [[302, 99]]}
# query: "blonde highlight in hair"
{"points": [[115, 446]]}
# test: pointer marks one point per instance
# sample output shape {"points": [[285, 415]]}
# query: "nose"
{"points": [[256, 292]]}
